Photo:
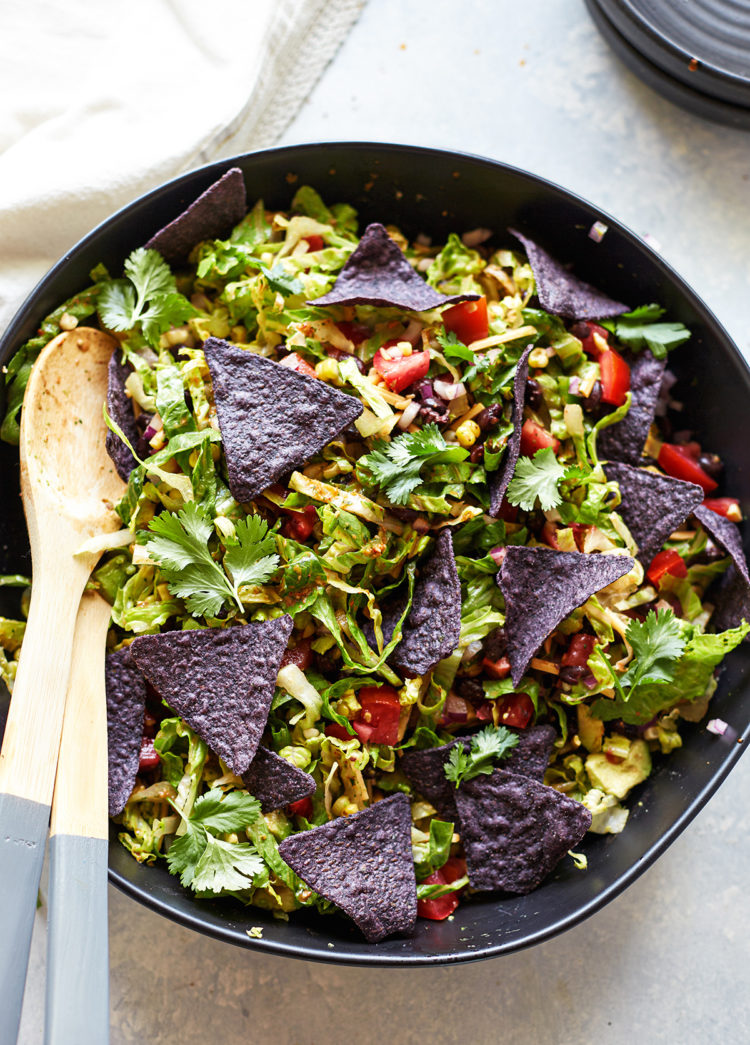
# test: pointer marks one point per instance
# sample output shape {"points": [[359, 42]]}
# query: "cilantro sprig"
{"points": [[537, 477], [146, 298], [206, 863], [639, 329], [396, 466], [657, 644], [491, 744], [178, 544]]}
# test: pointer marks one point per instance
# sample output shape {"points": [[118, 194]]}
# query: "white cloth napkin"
{"points": [[102, 101]]}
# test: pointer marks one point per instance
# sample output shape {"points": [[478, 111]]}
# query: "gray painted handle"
{"points": [[23, 833], [78, 943]]}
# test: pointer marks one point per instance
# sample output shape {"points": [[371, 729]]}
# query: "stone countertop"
{"points": [[533, 85]]}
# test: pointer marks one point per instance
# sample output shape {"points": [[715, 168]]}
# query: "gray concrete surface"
{"points": [[532, 84]]}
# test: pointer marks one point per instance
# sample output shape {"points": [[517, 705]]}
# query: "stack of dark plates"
{"points": [[694, 52]]}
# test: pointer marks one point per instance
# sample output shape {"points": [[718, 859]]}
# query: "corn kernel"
{"points": [[467, 433], [328, 370], [538, 358], [406, 349], [67, 322]]}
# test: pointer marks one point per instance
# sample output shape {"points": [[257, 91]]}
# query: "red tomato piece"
{"points": [[315, 242], [296, 362], [666, 562], [516, 710], [381, 711], [334, 729], [149, 755], [680, 463], [615, 377], [549, 534], [300, 525], [301, 655], [467, 320], [579, 650], [590, 346], [729, 507], [534, 437], [508, 512], [497, 669], [356, 332], [302, 807], [484, 711], [398, 374], [440, 907], [364, 731]]}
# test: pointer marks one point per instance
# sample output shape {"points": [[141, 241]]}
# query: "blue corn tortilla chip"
{"points": [[732, 594], [272, 419], [625, 440], [213, 215], [653, 506], [363, 864], [275, 782], [126, 709], [426, 770], [562, 293], [515, 830], [120, 409], [541, 587], [219, 680], [377, 273], [498, 481]]}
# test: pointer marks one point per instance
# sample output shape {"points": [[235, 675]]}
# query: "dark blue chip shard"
{"points": [[126, 708], [120, 409], [219, 680], [624, 441], [731, 596], [515, 830], [541, 587], [653, 505], [213, 215], [498, 481], [562, 293], [275, 782], [363, 864], [272, 419], [378, 273]]}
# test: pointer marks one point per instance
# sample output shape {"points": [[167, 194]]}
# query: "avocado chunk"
{"points": [[590, 729], [617, 778]]}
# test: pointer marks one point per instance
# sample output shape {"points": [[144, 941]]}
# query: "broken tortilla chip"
{"points": [[275, 782], [126, 709], [213, 215], [624, 441], [498, 481]]}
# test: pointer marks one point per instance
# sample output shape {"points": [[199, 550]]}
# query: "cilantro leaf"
{"points": [[225, 866], [281, 281], [492, 743], [146, 298], [396, 466], [537, 477], [178, 544], [657, 644], [453, 348], [638, 329], [221, 812]]}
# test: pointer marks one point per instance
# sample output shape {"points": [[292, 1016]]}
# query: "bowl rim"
{"points": [[373, 957]]}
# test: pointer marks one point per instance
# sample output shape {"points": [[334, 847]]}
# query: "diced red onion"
{"points": [[456, 709], [498, 554], [475, 236], [425, 390], [574, 385], [598, 231], [717, 726], [413, 333], [448, 390], [410, 412]]}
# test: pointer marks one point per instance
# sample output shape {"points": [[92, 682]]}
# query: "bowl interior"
{"points": [[433, 192]]}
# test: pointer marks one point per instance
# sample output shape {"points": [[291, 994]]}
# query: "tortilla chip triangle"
{"points": [[272, 419], [219, 680], [126, 707], [212, 215], [275, 782]]}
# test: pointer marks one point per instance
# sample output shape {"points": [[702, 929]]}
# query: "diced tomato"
{"points": [[590, 346], [315, 242], [484, 711], [296, 362], [467, 320], [579, 650], [356, 332], [534, 437], [440, 907], [508, 512], [579, 532], [549, 535], [363, 731], [302, 807], [334, 729], [497, 669], [398, 374], [615, 377], [729, 507], [455, 709], [516, 710], [300, 525], [666, 562], [301, 655], [680, 463], [381, 711], [149, 755]]}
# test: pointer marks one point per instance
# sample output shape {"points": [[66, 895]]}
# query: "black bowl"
{"points": [[434, 192]]}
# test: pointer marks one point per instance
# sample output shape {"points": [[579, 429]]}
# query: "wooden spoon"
{"points": [[67, 483]]}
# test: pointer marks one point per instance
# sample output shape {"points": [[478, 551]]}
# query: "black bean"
{"points": [[434, 414], [477, 453], [470, 689], [573, 673], [489, 416], [592, 404], [534, 394], [711, 464], [580, 330], [338, 354]]}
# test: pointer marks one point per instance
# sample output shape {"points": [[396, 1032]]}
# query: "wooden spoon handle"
{"points": [[77, 1001], [27, 771]]}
